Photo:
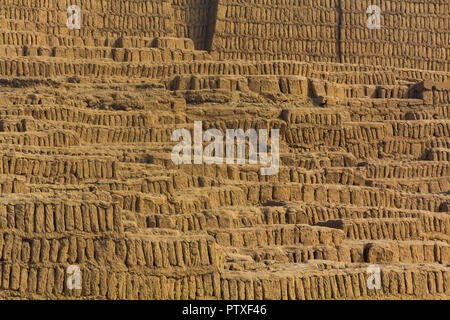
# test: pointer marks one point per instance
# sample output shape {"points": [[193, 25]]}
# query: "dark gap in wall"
{"points": [[195, 19], [211, 27], [339, 31]]}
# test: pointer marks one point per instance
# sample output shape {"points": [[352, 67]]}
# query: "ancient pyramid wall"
{"points": [[414, 34], [99, 18], [282, 29], [87, 178]]}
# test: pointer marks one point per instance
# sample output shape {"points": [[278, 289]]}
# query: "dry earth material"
{"points": [[87, 179]]}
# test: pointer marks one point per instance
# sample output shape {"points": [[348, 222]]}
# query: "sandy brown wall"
{"points": [[280, 29], [413, 34], [146, 18], [192, 20]]}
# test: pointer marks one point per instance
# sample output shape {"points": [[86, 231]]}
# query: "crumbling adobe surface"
{"points": [[87, 179]]}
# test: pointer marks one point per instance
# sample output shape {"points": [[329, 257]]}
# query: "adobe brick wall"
{"points": [[414, 33]]}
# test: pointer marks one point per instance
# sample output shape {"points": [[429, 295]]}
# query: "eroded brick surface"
{"points": [[87, 179]]}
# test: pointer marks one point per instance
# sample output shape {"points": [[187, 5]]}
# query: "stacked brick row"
{"points": [[81, 167], [38, 281], [289, 235], [347, 195], [405, 252], [412, 282], [168, 68]]}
